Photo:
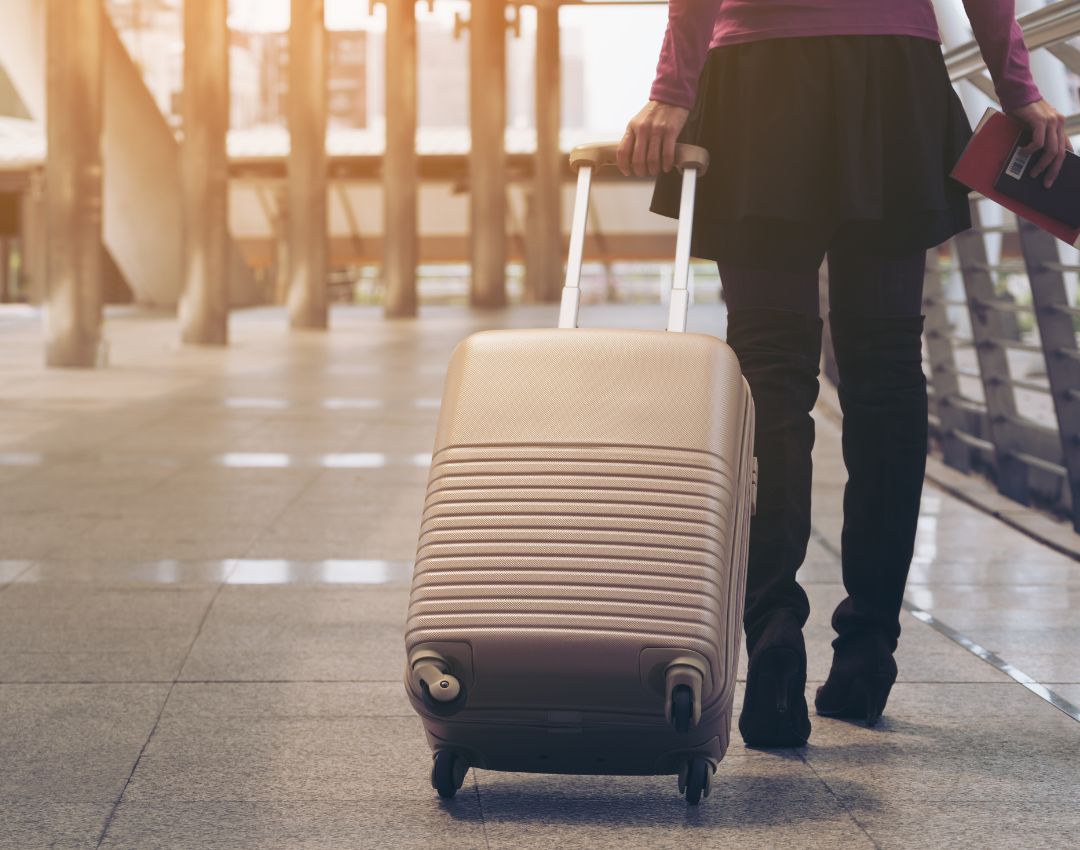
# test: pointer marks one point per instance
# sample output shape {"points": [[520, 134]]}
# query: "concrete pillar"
{"points": [[487, 166], [32, 261], [548, 251], [204, 300], [400, 162], [307, 296], [5, 269], [281, 244], [73, 182]]}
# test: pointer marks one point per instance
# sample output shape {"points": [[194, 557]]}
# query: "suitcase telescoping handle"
{"points": [[692, 161]]}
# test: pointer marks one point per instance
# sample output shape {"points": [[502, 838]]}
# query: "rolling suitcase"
{"points": [[576, 604]]}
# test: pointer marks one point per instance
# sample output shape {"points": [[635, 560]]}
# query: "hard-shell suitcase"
{"points": [[577, 599]]}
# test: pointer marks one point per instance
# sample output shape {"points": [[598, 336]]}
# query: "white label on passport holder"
{"points": [[1017, 164]]}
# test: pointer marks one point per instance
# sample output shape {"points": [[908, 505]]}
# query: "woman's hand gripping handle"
{"points": [[648, 146]]}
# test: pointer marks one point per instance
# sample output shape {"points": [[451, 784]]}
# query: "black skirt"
{"points": [[806, 134]]}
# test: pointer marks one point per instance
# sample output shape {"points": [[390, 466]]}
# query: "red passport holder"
{"points": [[990, 152]]}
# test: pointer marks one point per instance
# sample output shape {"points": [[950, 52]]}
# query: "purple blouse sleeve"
{"points": [[1001, 42], [686, 44]]}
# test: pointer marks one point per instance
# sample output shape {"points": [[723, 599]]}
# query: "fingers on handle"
{"points": [[634, 149], [622, 153], [668, 158], [656, 147], [641, 151]]}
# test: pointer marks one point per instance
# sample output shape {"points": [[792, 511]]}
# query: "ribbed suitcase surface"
{"points": [[584, 525]]}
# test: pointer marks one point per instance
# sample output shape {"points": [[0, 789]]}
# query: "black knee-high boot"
{"points": [[883, 398], [779, 353]]}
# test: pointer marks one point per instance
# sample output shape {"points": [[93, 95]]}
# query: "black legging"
{"points": [[861, 283], [875, 301]]}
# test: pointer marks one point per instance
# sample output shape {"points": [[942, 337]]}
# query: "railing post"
{"points": [[943, 376], [1057, 333], [986, 330]]}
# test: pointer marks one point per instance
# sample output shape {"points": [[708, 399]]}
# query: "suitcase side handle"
{"points": [[588, 157]]}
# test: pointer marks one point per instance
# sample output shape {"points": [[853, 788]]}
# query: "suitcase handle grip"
{"points": [[599, 154], [587, 158]]}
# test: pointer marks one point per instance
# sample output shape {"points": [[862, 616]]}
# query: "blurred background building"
{"points": [[151, 31], [600, 90]]}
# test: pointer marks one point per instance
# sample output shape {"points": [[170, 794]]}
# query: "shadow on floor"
{"points": [[755, 792]]}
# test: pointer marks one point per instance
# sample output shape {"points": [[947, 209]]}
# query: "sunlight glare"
{"points": [[273, 15]]}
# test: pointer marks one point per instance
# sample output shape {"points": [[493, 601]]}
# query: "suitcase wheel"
{"points": [[695, 779], [442, 693], [682, 708], [435, 701], [448, 773], [684, 683]]}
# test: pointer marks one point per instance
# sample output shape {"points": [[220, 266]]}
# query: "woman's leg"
{"points": [[774, 329], [876, 322]]}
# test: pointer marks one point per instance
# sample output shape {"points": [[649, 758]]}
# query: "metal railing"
{"points": [[1001, 337]]}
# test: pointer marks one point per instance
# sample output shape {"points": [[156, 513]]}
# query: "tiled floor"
{"points": [[204, 558]]}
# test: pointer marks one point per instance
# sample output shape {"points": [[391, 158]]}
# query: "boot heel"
{"points": [[865, 700], [774, 708], [862, 675], [784, 677], [874, 692]]}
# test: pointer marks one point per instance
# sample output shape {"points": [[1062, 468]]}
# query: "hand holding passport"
{"points": [[993, 165]]}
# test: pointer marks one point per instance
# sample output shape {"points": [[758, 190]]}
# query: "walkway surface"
{"points": [[204, 588]]}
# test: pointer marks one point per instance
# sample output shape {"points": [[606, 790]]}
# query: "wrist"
{"points": [[669, 96], [669, 105], [1013, 98]]}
